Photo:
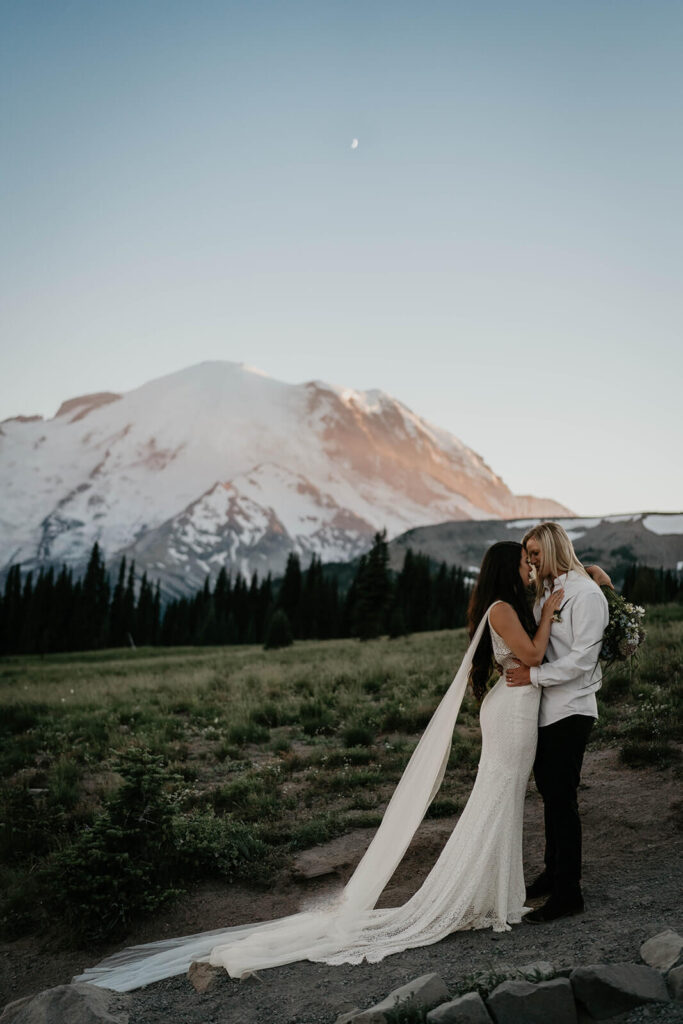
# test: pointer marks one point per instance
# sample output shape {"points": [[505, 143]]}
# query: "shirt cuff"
{"points": [[535, 675]]}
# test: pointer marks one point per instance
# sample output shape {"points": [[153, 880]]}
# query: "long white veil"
{"points": [[311, 934]]}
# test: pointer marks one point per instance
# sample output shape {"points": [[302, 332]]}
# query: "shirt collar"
{"points": [[559, 582]]}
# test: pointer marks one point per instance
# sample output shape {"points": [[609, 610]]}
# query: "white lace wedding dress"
{"points": [[477, 882]]}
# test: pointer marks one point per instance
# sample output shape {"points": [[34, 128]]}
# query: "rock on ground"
{"points": [[203, 976], [521, 1002], [663, 950], [468, 1009], [423, 993], [539, 970], [674, 983], [70, 1004], [606, 990]]}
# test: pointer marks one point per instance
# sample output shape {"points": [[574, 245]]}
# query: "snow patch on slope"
{"points": [[664, 524]]}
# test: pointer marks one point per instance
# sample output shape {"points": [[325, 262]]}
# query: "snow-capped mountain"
{"points": [[220, 465]]}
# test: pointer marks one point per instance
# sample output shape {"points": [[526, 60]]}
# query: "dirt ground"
{"points": [[633, 872]]}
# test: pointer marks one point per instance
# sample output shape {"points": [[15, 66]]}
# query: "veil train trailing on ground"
{"points": [[477, 881]]}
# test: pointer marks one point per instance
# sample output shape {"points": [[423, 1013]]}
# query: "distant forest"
{"points": [[54, 612]]}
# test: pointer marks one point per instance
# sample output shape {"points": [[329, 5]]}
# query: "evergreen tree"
{"points": [[117, 612], [330, 623], [25, 638], [645, 585], [94, 602], [64, 606], [41, 613], [12, 611], [289, 597], [129, 606], [413, 594], [240, 610], [373, 591], [221, 605], [311, 600], [264, 607], [156, 614], [144, 613], [279, 632], [443, 596], [397, 623]]}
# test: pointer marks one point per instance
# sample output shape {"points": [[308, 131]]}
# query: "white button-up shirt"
{"points": [[570, 675]]}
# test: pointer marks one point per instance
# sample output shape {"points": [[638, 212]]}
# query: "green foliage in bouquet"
{"points": [[624, 633]]}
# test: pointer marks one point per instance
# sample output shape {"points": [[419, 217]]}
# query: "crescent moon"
{"points": [[354, 144]]}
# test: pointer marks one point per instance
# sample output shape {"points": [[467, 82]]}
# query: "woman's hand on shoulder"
{"points": [[599, 576]]}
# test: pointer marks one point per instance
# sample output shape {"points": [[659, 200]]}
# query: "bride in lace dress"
{"points": [[477, 881]]}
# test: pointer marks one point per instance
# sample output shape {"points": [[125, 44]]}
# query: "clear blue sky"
{"points": [[503, 251]]}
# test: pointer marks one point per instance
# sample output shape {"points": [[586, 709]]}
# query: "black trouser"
{"points": [[557, 771]]}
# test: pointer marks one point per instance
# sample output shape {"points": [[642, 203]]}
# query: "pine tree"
{"points": [[42, 606], [311, 600], [264, 607], [289, 597], [144, 613], [117, 611], [156, 614], [373, 591], [11, 619], [128, 617], [240, 610], [279, 633], [94, 603], [63, 611], [330, 612], [221, 605]]}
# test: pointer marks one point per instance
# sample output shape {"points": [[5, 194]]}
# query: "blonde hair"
{"points": [[557, 553]]}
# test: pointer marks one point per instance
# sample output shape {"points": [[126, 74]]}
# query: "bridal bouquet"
{"points": [[624, 632]]}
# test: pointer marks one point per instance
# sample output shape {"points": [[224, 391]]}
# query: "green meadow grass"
{"points": [[237, 757]]}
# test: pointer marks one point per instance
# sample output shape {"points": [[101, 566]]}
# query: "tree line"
{"points": [[644, 585], [55, 611]]}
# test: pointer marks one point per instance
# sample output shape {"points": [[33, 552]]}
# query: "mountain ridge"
{"points": [[219, 464]]}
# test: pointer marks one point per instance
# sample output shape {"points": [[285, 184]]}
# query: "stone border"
{"points": [[533, 994], [536, 993]]}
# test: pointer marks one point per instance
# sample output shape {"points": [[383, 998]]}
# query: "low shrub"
{"points": [[358, 735], [123, 864], [247, 732], [133, 857], [399, 718], [316, 718], [206, 844], [443, 807], [649, 753], [249, 797]]}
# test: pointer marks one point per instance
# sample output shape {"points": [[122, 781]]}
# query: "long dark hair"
{"points": [[499, 580]]}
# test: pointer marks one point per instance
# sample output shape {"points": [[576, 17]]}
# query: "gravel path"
{"points": [[632, 883]]}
